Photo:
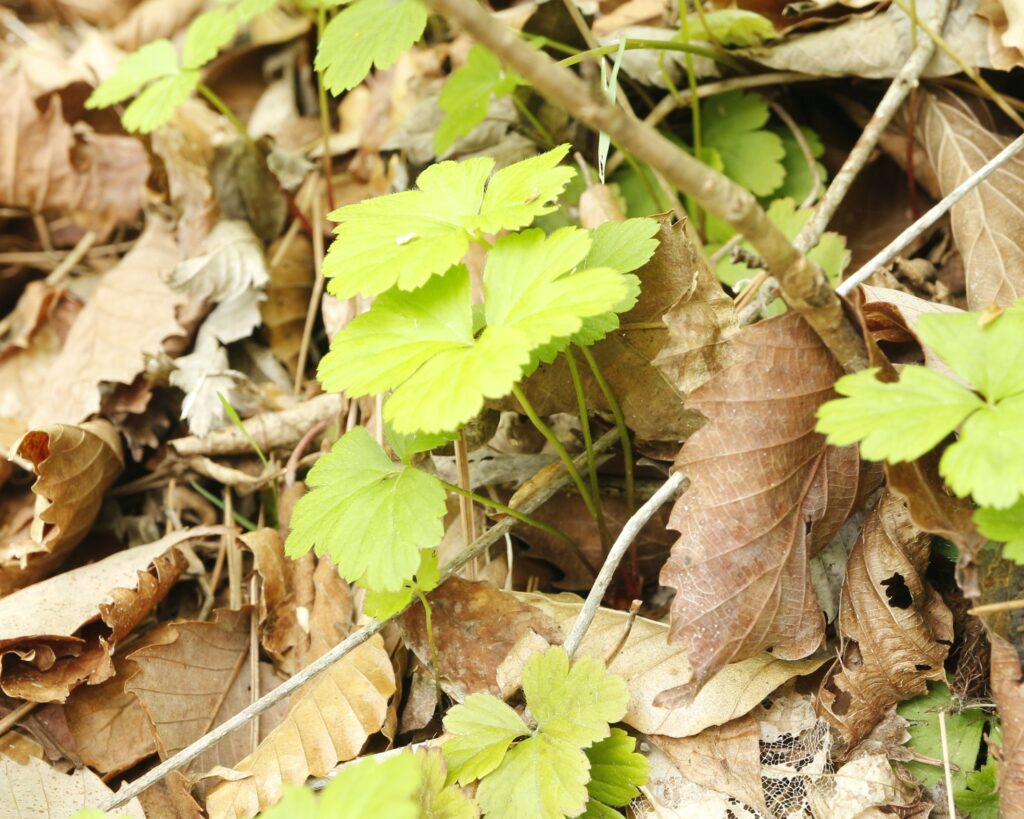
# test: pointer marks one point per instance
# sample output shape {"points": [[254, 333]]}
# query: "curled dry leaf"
{"points": [[1006, 32], [62, 631], [329, 723], [1008, 691], [95, 180], [151, 20], [896, 631], [231, 264], [288, 293], [130, 315], [988, 223], [765, 495], [37, 790]]}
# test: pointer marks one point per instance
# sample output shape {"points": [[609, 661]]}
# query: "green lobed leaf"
{"points": [[207, 35], [574, 703], [985, 462], [384, 789], [405, 446], [799, 182], [616, 770], [979, 799], [467, 95], [297, 803], [247, 9], [384, 604], [370, 515], [157, 104], [736, 28], [482, 727], [734, 127], [1006, 526], [896, 421], [437, 800], [624, 246], [367, 34], [151, 62], [543, 777]]}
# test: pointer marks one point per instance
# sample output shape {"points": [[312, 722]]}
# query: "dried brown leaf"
{"points": [[765, 495], [171, 797], [1008, 691], [37, 790], [151, 20], [329, 723], [288, 293], [1006, 32], [130, 315], [988, 223], [895, 628]]}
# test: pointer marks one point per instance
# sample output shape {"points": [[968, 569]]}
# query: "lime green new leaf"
{"points": [[574, 703], [483, 728], [624, 246], [406, 445], [543, 777], [383, 790], [372, 516], [297, 803], [734, 127], [247, 9], [437, 800], [895, 421], [985, 462], [369, 33], [799, 181], [978, 799], [208, 34], [616, 770], [735, 28], [1006, 526], [384, 604], [151, 62], [157, 104], [468, 93]]}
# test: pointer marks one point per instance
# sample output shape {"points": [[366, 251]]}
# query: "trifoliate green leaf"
{"points": [[157, 104], [383, 790], [733, 27], [1006, 526], [467, 95], [990, 357], [896, 421], [437, 800], [979, 798], [372, 516], [616, 770], [985, 462], [543, 777], [208, 34], [384, 604], [483, 728], [574, 703], [799, 180], [369, 33], [734, 127], [151, 62], [624, 246]]}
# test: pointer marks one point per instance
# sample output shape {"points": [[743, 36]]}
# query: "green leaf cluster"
{"points": [[468, 93], [736, 28], [568, 762], [165, 82]]}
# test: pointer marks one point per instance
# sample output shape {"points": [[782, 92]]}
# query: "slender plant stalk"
{"points": [[581, 407], [655, 45], [691, 80], [325, 115], [620, 424], [552, 439], [220, 105], [428, 620], [240, 519]]}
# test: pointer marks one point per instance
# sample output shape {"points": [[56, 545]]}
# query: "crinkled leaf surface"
{"points": [[370, 515], [616, 769], [484, 727]]}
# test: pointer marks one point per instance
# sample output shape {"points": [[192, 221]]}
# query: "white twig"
{"points": [[615, 555], [940, 209], [271, 698], [945, 765]]}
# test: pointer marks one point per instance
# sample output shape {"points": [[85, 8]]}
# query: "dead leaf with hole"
{"points": [[895, 629], [959, 137], [191, 676], [36, 790], [288, 293], [329, 723], [97, 181], [765, 495], [61, 632]]}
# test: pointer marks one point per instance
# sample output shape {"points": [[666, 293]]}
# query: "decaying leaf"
{"points": [[988, 223], [1006, 32], [1008, 691], [231, 263], [329, 723], [896, 630], [37, 790], [288, 292], [61, 632], [765, 495]]}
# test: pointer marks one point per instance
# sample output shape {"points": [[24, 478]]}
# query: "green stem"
{"points": [[428, 620], [552, 439], [241, 520], [325, 116], [222, 106], [691, 78], [656, 45], [530, 117], [620, 423], [588, 444]]}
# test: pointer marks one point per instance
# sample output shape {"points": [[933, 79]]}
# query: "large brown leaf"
{"points": [[329, 723], [988, 223], [1008, 691], [765, 494], [36, 790], [896, 631]]}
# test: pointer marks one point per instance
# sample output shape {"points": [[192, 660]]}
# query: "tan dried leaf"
{"points": [[765, 495], [230, 265], [130, 315], [329, 723], [1008, 691], [896, 631], [288, 293], [988, 223], [96, 181], [151, 20], [36, 790], [1006, 32]]}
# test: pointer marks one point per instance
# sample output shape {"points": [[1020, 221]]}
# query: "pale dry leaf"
{"points": [[231, 264], [895, 629], [204, 376], [988, 223], [861, 787], [61, 632], [670, 795], [36, 790], [1006, 32], [130, 315], [765, 495], [151, 20], [1008, 691], [288, 293], [329, 723]]}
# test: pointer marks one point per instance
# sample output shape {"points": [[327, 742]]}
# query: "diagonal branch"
{"points": [[804, 287]]}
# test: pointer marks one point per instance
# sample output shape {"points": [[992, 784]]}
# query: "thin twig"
{"points": [[611, 563], [74, 257], [353, 641], [805, 151], [995, 608], [318, 290], [16, 715], [890, 251], [465, 500], [947, 773]]}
